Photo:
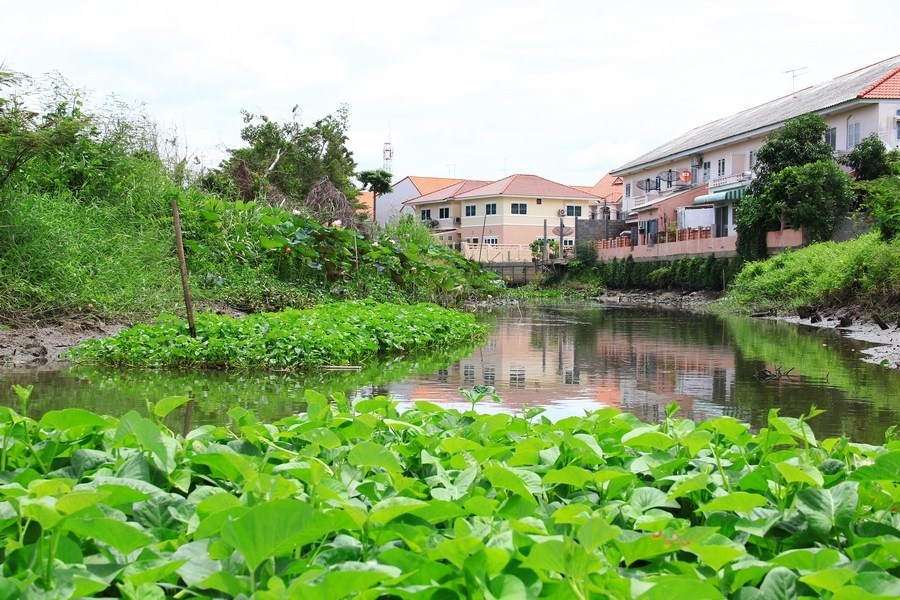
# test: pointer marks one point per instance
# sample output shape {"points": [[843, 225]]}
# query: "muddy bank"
{"points": [[41, 347]]}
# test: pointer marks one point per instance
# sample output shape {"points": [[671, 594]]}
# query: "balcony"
{"points": [[730, 181]]}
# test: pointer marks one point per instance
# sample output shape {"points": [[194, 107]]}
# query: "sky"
{"points": [[566, 90]]}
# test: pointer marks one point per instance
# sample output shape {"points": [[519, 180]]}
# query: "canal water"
{"points": [[567, 359]]}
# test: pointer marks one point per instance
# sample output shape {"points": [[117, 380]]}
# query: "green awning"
{"points": [[711, 198], [718, 197]]}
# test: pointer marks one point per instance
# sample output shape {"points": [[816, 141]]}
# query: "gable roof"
{"points": [[426, 185], [609, 188], [526, 185], [449, 192], [877, 81]]}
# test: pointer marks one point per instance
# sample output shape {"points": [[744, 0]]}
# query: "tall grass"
{"points": [[864, 271]]}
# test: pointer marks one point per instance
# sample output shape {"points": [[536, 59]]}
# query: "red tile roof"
{"points": [[426, 185], [527, 185], [446, 193], [608, 188], [888, 87]]}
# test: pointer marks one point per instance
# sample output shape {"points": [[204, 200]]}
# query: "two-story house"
{"points": [[513, 211], [687, 189]]}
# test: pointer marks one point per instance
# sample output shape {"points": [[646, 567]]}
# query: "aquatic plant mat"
{"points": [[329, 335], [363, 501]]}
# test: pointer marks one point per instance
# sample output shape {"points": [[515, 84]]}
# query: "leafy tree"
{"points": [[379, 182], [25, 132], [883, 200], [815, 195], [801, 141], [869, 159], [289, 156]]}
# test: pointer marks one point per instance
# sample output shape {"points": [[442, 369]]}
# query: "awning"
{"points": [[717, 197]]}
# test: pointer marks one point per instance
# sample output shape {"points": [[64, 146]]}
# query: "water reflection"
{"points": [[572, 359], [567, 359]]}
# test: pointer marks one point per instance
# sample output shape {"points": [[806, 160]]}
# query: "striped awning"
{"points": [[718, 197]]}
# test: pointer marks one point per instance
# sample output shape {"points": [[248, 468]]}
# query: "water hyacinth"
{"points": [[362, 501], [349, 333]]}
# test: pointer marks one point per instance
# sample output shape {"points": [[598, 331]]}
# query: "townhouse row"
{"points": [[678, 199]]}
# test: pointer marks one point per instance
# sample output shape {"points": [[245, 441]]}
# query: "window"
{"points": [[519, 208], [721, 167], [426, 214], [469, 374], [706, 171], [490, 374], [491, 241], [831, 137], [573, 211], [898, 124], [444, 213], [628, 190], [490, 209], [539, 201], [517, 377], [852, 135], [568, 243], [752, 159], [470, 210]]}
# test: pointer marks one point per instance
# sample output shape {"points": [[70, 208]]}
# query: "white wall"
{"points": [[388, 206]]}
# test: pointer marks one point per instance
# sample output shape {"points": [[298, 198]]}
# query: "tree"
{"points": [[289, 157], [379, 182], [25, 132], [869, 159], [800, 142], [815, 195]]}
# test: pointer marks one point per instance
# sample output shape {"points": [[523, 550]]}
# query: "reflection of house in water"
{"points": [[547, 360]]}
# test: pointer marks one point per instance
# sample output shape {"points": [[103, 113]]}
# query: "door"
{"points": [[722, 220]]}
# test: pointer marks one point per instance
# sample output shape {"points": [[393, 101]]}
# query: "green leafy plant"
{"points": [[360, 500]]}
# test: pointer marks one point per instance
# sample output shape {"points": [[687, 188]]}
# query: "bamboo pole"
{"points": [[179, 246]]}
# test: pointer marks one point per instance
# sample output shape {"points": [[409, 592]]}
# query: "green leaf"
{"points": [[740, 502], [162, 408], [508, 587], [779, 584], [647, 437], [679, 587], [829, 579], [274, 529], [391, 508], [885, 468], [793, 474], [322, 436], [571, 475], [691, 484], [636, 546], [825, 509], [716, 556], [75, 421], [517, 481], [370, 454], [119, 535]]}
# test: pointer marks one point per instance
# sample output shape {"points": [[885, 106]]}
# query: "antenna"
{"points": [[795, 73], [451, 170], [388, 154]]}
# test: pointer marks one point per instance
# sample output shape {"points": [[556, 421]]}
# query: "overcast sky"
{"points": [[472, 89]]}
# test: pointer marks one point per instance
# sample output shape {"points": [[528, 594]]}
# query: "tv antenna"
{"points": [[795, 73]]}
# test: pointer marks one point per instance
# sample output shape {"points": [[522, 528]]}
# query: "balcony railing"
{"points": [[730, 180]]}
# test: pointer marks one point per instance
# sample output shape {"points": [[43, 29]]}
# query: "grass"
{"points": [[864, 271]]}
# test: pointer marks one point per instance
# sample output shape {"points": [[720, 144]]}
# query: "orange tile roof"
{"points": [[888, 87], [527, 185], [583, 188], [446, 193], [426, 185], [365, 198], [608, 188]]}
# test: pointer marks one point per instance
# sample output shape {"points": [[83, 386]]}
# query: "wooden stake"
{"points": [[179, 246]]}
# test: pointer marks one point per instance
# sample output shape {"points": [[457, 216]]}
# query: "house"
{"points": [[511, 212], [661, 202], [388, 206]]}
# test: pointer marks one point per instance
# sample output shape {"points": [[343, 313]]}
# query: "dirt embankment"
{"points": [[40, 347]]}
